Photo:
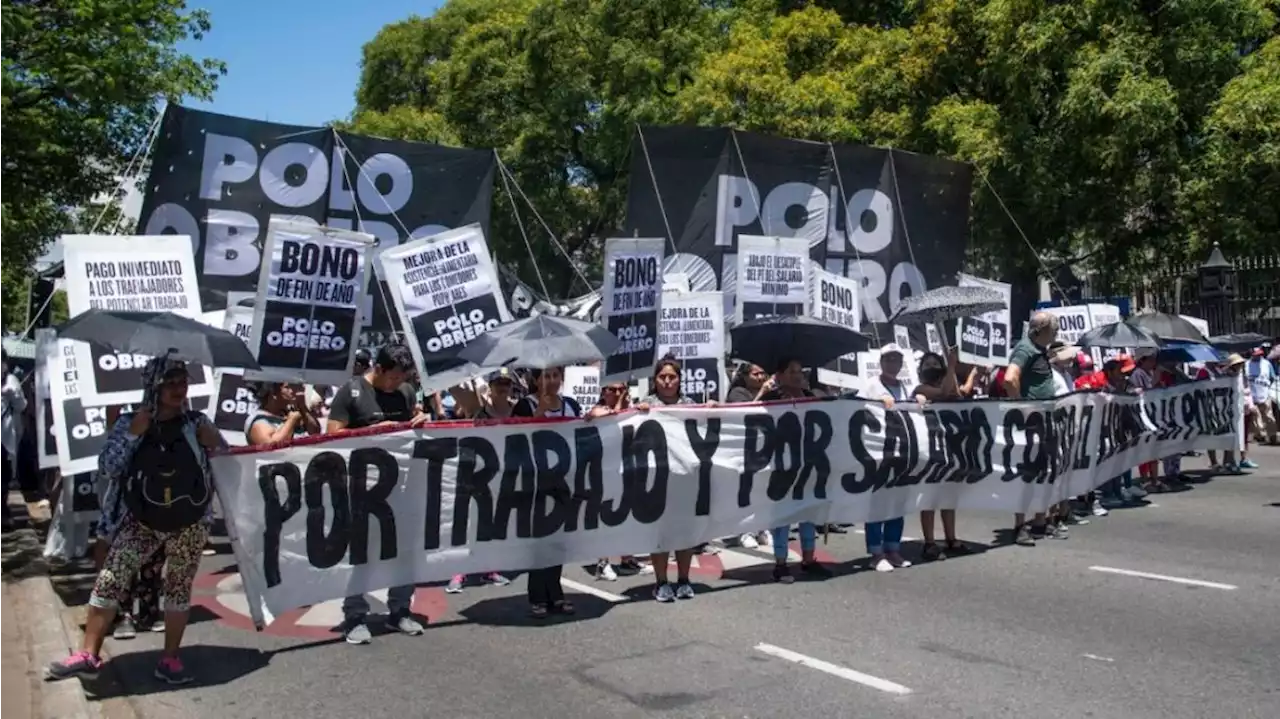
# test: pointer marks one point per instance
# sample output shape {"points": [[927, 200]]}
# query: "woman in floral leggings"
{"points": [[163, 430]]}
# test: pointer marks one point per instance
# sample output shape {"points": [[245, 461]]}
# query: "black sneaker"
{"points": [[782, 574]]}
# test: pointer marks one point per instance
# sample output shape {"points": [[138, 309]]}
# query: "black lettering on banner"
{"points": [[704, 448], [901, 451], [327, 470], [757, 452], [516, 493], [310, 258], [588, 485], [1035, 464], [366, 500], [477, 466], [1084, 458], [276, 513], [437, 452], [817, 437], [786, 456], [638, 444], [861, 423], [552, 461]]}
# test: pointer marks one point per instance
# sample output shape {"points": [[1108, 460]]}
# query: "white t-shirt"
{"points": [[15, 403], [1062, 384], [877, 389]]}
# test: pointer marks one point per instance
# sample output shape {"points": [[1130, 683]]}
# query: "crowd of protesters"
{"points": [[139, 563]]}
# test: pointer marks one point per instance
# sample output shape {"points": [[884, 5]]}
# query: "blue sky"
{"points": [[293, 61]]}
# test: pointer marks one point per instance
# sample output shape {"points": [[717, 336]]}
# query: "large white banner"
{"points": [[773, 277], [446, 293], [307, 316], [134, 274], [984, 340], [631, 295], [692, 331], [331, 517]]}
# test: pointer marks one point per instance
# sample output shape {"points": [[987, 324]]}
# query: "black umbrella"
{"points": [[1168, 327], [1119, 335], [768, 341], [540, 342], [157, 334], [943, 304], [1238, 342]]}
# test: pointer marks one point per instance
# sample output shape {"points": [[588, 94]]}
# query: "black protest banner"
{"points": [[417, 506], [130, 274], [855, 206], [692, 330], [221, 179], [307, 315], [632, 294], [446, 293]]}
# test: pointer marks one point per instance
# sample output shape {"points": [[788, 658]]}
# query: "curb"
{"points": [[51, 638]]}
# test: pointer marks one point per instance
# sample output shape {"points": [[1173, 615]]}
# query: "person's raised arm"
{"points": [[467, 398]]}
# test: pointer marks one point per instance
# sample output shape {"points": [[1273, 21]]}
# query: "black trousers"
{"points": [[544, 585]]}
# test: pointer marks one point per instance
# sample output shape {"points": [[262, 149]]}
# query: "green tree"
{"points": [[1113, 133], [82, 83]]}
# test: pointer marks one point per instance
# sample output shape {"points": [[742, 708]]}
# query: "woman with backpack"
{"points": [[159, 455]]}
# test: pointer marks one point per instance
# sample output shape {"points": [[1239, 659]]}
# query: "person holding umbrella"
{"points": [[158, 451], [884, 539]]}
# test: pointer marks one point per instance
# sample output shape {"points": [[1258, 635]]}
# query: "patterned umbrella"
{"points": [[1168, 327], [943, 304], [1119, 335]]}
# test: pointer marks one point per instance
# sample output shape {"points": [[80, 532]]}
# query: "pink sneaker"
{"points": [[171, 671], [79, 664]]}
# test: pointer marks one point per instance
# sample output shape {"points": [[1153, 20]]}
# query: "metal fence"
{"points": [[1254, 306]]}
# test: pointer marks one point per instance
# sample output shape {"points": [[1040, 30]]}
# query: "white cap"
{"points": [[891, 348]]}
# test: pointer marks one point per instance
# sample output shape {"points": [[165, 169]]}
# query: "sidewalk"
{"points": [[34, 630]]}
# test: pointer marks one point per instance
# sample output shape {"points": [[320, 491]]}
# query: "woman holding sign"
{"points": [[545, 593]]}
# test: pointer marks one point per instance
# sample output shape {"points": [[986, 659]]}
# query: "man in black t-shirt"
{"points": [[379, 396]]}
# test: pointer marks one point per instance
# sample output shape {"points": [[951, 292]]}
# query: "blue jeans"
{"points": [[884, 536], [1172, 465], [808, 539], [399, 601]]}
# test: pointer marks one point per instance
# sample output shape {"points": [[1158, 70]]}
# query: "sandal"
{"points": [[932, 553], [563, 607], [538, 611], [954, 548]]}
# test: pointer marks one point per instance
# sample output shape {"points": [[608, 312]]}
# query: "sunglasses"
{"points": [[614, 389]]}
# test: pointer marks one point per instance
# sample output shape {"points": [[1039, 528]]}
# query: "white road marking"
{"points": [[834, 670], [1165, 578], [732, 559], [588, 589], [1097, 658]]}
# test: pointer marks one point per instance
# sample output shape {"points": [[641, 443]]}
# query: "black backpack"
{"points": [[166, 489]]}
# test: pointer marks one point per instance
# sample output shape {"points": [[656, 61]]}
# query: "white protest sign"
{"points": [[583, 384], [773, 276], [133, 274], [46, 436], [1075, 320], [869, 369], [307, 314], [456, 498], [631, 296], [984, 340], [445, 290], [234, 400], [692, 330], [834, 298]]}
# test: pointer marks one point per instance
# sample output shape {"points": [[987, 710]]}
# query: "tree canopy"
{"points": [[82, 85], [1108, 128]]}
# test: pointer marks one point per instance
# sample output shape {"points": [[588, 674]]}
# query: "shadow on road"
{"points": [[132, 674]]}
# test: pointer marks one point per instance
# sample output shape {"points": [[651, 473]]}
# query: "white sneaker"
{"points": [[604, 571], [748, 542], [883, 565], [898, 561], [765, 538], [1099, 510], [646, 568]]}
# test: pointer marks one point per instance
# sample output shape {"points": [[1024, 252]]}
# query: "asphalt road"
{"points": [[1064, 629]]}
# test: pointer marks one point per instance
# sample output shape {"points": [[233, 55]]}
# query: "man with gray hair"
{"points": [[1030, 376]]}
